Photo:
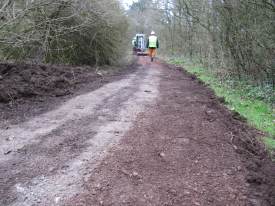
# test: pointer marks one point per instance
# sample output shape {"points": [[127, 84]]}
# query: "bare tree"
{"points": [[235, 35]]}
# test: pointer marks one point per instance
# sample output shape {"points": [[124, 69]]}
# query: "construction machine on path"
{"points": [[139, 45]]}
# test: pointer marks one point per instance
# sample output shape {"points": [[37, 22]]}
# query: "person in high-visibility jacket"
{"points": [[152, 45]]}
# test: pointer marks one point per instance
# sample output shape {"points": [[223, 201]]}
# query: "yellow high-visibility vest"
{"points": [[153, 41]]}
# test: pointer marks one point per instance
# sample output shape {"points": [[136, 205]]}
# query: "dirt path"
{"points": [[155, 137]]}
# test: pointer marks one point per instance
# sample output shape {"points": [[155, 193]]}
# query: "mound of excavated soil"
{"points": [[28, 90], [25, 81]]}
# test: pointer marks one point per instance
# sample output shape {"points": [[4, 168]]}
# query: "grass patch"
{"points": [[270, 142], [248, 100]]}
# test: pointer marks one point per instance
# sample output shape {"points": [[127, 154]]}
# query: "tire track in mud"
{"points": [[52, 154]]}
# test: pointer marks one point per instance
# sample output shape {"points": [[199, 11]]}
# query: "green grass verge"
{"points": [[270, 143], [259, 113]]}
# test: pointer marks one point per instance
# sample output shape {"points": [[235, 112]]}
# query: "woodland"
{"points": [[235, 37]]}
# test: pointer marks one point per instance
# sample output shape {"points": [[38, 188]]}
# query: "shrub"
{"points": [[62, 31]]}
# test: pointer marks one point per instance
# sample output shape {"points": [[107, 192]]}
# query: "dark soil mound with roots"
{"points": [[25, 81]]}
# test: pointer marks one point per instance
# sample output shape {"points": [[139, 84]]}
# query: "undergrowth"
{"points": [[255, 103]]}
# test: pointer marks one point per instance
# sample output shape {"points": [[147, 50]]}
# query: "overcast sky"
{"points": [[126, 3]]}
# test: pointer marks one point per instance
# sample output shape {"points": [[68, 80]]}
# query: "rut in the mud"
{"points": [[153, 137]]}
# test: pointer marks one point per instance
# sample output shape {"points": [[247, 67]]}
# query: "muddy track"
{"points": [[153, 137]]}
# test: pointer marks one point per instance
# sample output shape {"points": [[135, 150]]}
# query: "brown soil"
{"points": [[155, 136], [187, 149], [24, 81], [27, 90]]}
